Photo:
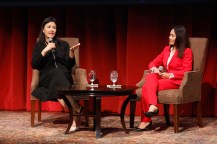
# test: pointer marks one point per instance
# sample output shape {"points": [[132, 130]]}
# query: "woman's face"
{"points": [[172, 37], [49, 30]]}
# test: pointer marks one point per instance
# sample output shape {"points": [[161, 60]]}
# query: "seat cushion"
{"points": [[138, 93], [172, 96], [33, 98]]}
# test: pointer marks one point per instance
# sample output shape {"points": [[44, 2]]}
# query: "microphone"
{"points": [[50, 40], [160, 68]]}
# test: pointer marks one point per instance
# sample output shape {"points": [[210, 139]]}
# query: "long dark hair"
{"points": [[182, 40], [41, 34]]}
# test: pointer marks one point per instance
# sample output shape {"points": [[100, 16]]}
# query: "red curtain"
{"points": [[119, 37]]}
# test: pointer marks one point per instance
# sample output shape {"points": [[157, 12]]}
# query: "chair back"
{"points": [[199, 49], [190, 88]]}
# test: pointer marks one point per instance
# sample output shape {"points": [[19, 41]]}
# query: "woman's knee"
{"points": [[152, 76]]}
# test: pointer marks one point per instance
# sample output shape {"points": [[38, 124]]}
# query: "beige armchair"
{"points": [[189, 90], [79, 76]]}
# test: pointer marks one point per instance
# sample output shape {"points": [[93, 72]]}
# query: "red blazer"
{"points": [[177, 66]]}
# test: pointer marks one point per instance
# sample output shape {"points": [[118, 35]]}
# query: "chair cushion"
{"points": [[33, 98], [80, 76], [138, 93], [172, 96], [142, 81]]}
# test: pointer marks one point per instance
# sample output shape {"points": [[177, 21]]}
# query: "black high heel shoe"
{"points": [[151, 114], [147, 128]]}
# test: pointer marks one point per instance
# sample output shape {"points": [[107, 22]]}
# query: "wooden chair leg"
{"points": [[166, 114], [33, 113], [132, 113], [39, 111], [176, 118], [86, 103], [199, 114]]}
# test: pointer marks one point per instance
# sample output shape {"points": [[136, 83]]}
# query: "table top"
{"points": [[100, 90]]}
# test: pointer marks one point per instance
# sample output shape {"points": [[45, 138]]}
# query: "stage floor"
{"points": [[15, 128]]}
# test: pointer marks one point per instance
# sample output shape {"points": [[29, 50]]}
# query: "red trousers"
{"points": [[153, 84]]}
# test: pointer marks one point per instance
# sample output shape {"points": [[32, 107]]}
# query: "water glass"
{"points": [[114, 77], [92, 76]]}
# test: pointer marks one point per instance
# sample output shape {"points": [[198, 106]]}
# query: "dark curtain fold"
{"points": [[13, 58], [121, 37]]}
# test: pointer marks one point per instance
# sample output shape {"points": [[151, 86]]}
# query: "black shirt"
{"points": [[47, 63]]}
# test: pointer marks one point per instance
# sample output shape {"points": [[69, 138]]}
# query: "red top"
{"points": [[177, 66]]}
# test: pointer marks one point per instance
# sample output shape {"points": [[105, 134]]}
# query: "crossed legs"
{"points": [[152, 86]]}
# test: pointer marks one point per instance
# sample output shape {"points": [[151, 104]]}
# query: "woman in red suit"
{"points": [[176, 59]]}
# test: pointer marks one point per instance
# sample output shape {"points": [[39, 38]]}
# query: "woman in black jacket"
{"points": [[54, 59]]}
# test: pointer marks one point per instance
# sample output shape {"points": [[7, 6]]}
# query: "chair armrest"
{"points": [[35, 79], [142, 81], [191, 85], [191, 78], [80, 76]]}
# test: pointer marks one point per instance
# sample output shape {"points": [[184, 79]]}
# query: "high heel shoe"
{"points": [[147, 128], [73, 129], [151, 114]]}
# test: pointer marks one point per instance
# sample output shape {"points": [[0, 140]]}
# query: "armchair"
{"points": [[189, 90], [78, 74]]}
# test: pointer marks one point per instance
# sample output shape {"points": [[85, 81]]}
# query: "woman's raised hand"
{"points": [[72, 49], [75, 46]]}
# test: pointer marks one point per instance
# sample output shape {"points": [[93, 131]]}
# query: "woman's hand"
{"points": [[75, 47], [72, 49], [154, 70], [47, 48], [164, 75]]}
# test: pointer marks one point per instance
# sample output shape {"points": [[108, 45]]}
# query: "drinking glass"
{"points": [[92, 76], [114, 76]]}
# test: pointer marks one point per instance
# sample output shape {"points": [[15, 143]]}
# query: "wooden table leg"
{"points": [[94, 112], [123, 108], [98, 117]]}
